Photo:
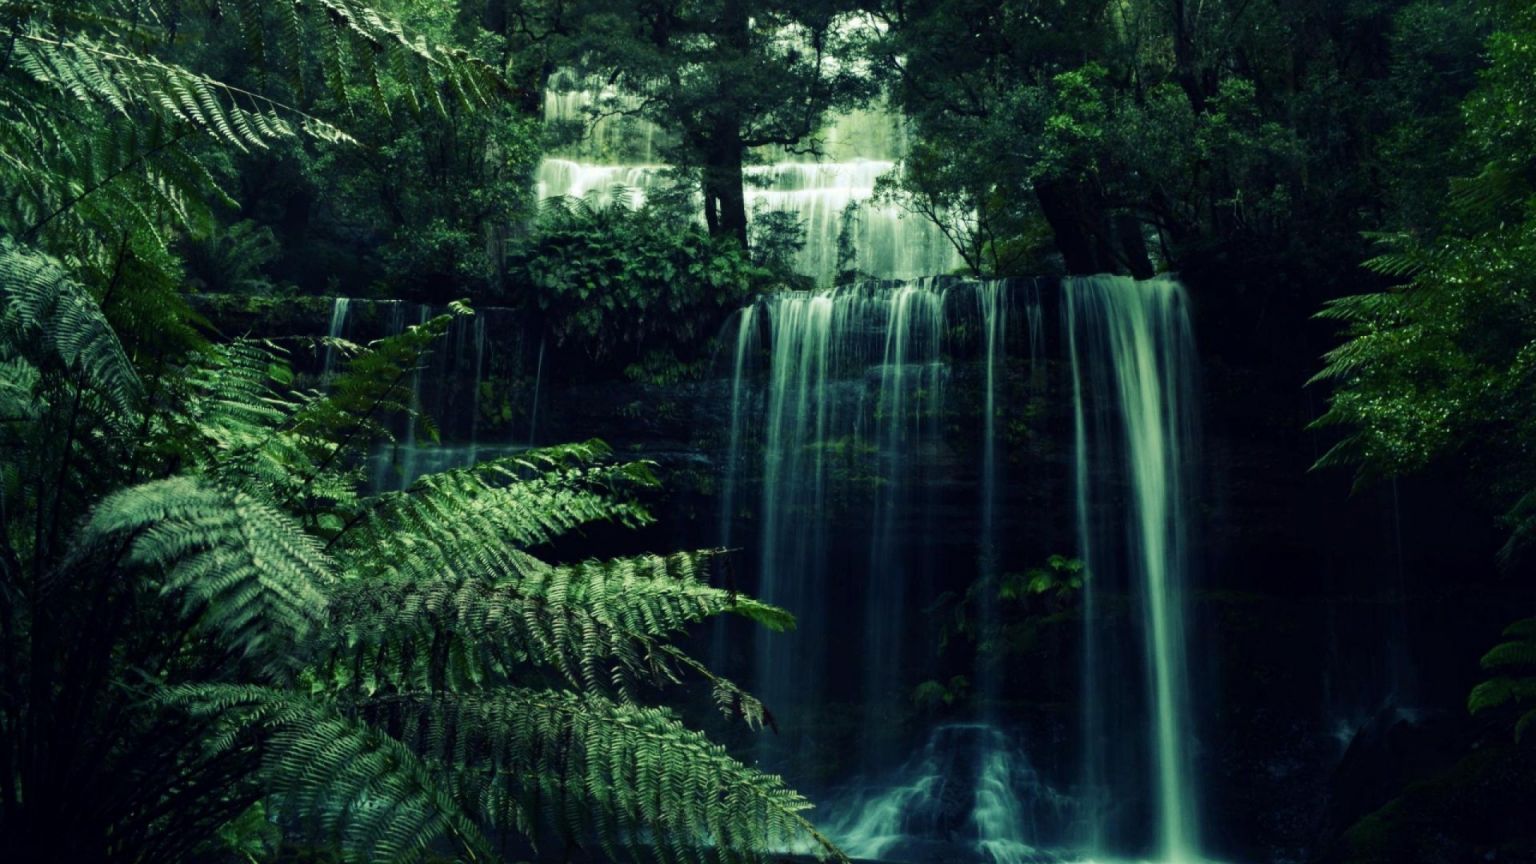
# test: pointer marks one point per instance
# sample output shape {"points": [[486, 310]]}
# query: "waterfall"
{"points": [[409, 453], [886, 241], [791, 547], [968, 794], [834, 198], [337, 329], [474, 422], [533, 405], [852, 398], [993, 305], [1133, 366], [445, 388], [745, 346], [906, 429]]}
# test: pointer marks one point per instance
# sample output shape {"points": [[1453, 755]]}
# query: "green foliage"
{"points": [[612, 279], [49, 320], [1443, 362], [1512, 690], [775, 237], [1060, 578], [381, 673], [930, 695], [435, 194], [242, 572], [232, 259], [1141, 135], [207, 619], [999, 613], [110, 129]]}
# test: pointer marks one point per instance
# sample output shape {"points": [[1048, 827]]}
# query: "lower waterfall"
{"points": [[846, 423], [1133, 373]]}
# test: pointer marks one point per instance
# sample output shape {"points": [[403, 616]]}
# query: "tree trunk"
{"points": [[725, 201], [1184, 60], [1089, 237], [1132, 245], [1072, 224]]}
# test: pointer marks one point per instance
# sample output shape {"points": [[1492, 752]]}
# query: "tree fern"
{"points": [[384, 672], [106, 134], [582, 765], [344, 780], [1512, 690], [48, 315], [205, 611], [597, 624], [241, 570]]}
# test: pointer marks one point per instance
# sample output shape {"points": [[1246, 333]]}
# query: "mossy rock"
{"points": [[1483, 808]]}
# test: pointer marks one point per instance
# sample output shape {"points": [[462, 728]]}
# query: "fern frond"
{"points": [[43, 307], [1525, 628], [596, 624], [472, 511], [588, 767], [1501, 691], [346, 781], [90, 71], [372, 387], [18, 399], [1526, 722], [243, 572], [1515, 654]]}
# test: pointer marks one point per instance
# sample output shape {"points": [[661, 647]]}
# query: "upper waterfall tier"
{"points": [[618, 149], [831, 199], [612, 130]]}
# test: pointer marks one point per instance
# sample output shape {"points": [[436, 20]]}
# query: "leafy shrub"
{"points": [[611, 279]]}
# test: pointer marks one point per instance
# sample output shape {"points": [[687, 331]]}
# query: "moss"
{"points": [[1481, 805]]}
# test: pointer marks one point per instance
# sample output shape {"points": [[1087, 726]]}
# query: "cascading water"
{"points": [[474, 423], [408, 453], [533, 409], [746, 346], [445, 386], [851, 401], [992, 300], [337, 329], [832, 200], [1133, 364], [840, 416], [853, 406], [906, 430], [969, 794], [853, 398]]}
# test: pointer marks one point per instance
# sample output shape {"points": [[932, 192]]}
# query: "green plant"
{"points": [[231, 259], [998, 613], [111, 140], [612, 279], [1512, 690], [1060, 578], [1442, 364], [930, 695], [202, 611], [775, 238], [381, 673]]}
